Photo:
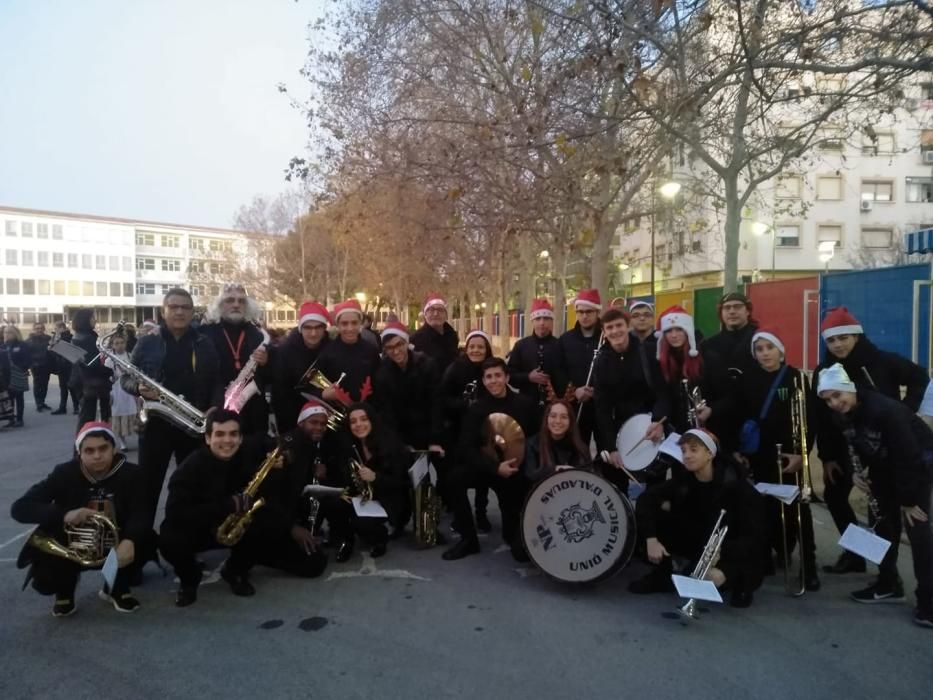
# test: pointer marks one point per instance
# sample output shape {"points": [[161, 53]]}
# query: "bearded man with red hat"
{"points": [[348, 356], [437, 338], [870, 368], [577, 355], [292, 358], [97, 480], [533, 361]]}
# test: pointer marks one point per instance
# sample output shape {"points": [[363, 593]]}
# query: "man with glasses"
{"points": [[185, 363], [436, 338], [577, 354], [642, 330]]}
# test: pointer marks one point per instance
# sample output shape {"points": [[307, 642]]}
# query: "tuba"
{"points": [[234, 526], [244, 386], [87, 545], [170, 406], [708, 559]]}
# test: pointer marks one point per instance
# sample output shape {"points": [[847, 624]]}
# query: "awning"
{"points": [[919, 241]]}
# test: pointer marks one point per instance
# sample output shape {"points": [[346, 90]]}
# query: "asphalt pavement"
{"points": [[410, 625]]}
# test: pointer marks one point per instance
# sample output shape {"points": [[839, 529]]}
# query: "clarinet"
{"points": [[542, 388]]}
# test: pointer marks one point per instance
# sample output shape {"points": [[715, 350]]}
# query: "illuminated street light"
{"points": [[360, 297], [669, 190], [759, 228]]}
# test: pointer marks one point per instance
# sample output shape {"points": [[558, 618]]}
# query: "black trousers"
{"points": [[53, 575], [765, 469], [260, 545], [94, 394], [345, 524], [836, 496], [160, 442], [40, 384], [19, 403], [64, 376], [510, 492], [920, 536]]}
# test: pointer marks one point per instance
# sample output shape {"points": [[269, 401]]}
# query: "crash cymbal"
{"points": [[505, 438]]}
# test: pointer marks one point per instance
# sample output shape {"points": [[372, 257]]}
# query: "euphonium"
{"points": [[88, 544], [708, 559], [169, 405], [234, 526]]}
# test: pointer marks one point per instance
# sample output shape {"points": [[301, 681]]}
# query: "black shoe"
{"points": [[846, 563], [75, 411], [463, 548], [239, 583], [17, 424], [186, 595], [923, 617], [41, 407], [344, 551], [482, 522], [879, 593], [123, 602], [655, 581], [396, 533], [519, 554], [59, 412], [64, 605], [741, 599], [377, 550], [812, 581]]}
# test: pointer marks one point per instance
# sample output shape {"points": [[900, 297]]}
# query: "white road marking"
{"points": [[18, 537], [369, 568]]}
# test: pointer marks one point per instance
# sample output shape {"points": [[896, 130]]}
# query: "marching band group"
{"points": [[278, 444]]}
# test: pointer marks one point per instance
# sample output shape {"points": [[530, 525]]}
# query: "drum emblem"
{"points": [[576, 522]]}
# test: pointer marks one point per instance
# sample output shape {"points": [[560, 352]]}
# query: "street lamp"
{"points": [[361, 297], [759, 229], [668, 190]]}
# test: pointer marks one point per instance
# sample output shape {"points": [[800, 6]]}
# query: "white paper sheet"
{"points": [[785, 493], [670, 447], [110, 569], [418, 470], [864, 543], [926, 406], [688, 587], [371, 509], [321, 491], [69, 351]]}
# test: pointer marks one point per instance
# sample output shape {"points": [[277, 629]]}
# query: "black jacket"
{"points": [[461, 373], [894, 443], [474, 434], [66, 488], [888, 372], [91, 373], [575, 355], [441, 347], [626, 384], [532, 353], [564, 454], [727, 355], [40, 358], [202, 386], [390, 461], [19, 354], [255, 414], [290, 361], [409, 401], [358, 362]]}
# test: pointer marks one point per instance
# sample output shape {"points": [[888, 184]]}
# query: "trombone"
{"points": [[797, 586]]}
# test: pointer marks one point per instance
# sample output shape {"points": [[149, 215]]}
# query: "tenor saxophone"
{"points": [[235, 525]]}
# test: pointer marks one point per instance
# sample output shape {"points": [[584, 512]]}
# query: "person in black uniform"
{"points": [[628, 382], [677, 517], [98, 479], [436, 338], [186, 364], [869, 367], [503, 477], [577, 355], [63, 369], [292, 359], [350, 356], [895, 446], [556, 445], [232, 327], [642, 314], [533, 361]]}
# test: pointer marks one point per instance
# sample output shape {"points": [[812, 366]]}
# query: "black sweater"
{"points": [[409, 401], [474, 436], [67, 488], [575, 357], [532, 353], [454, 382], [726, 355]]}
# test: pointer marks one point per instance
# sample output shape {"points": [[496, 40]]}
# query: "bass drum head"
{"points": [[577, 527]]}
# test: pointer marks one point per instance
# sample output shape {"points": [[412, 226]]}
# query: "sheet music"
{"points": [[688, 587], [785, 493], [418, 470], [926, 406], [69, 351], [370, 509], [319, 491], [110, 569], [866, 544], [670, 447]]}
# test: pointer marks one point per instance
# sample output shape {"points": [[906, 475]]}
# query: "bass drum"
{"points": [[577, 527]]}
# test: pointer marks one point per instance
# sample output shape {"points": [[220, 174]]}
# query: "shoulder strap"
{"points": [[771, 392]]}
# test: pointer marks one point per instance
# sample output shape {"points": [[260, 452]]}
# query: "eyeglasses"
{"points": [[733, 307], [179, 307], [234, 300]]}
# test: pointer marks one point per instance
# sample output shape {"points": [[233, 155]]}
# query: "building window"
{"points": [[920, 189], [72, 259], [147, 288], [145, 263], [12, 286], [171, 265], [197, 290], [114, 289], [10, 228], [829, 187], [100, 262], [831, 139], [881, 143], [74, 288], [877, 190], [787, 236], [59, 287], [145, 239], [217, 246], [196, 266], [877, 237], [12, 257], [127, 265], [29, 286], [26, 229], [113, 262], [789, 187], [56, 232], [58, 260], [45, 287], [43, 258], [87, 289], [196, 243], [87, 261], [127, 289], [169, 241], [27, 258], [829, 232], [100, 289], [42, 231]]}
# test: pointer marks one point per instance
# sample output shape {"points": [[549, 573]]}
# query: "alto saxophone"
{"points": [[244, 387], [234, 526]]}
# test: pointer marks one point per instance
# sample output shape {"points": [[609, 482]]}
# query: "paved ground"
{"points": [[414, 626]]}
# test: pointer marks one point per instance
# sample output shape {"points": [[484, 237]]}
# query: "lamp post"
{"points": [[668, 190], [759, 229]]}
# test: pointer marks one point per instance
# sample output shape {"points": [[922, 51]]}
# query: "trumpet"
{"points": [[708, 559], [234, 526], [170, 406], [87, 545], [365, 488], [695, 403]]}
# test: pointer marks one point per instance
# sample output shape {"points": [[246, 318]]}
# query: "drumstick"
{"points": [[637, 444], [604, 455]]}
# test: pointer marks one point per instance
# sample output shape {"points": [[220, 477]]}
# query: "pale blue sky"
{"points": [[153, 109]]}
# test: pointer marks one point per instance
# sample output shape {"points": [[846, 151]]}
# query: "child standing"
{"points": [[123, 405]]}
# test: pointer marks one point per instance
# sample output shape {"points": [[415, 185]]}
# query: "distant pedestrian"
{"points": [[123, 406], [18, 353], [63, 369], [91, 377], [42, 363]]}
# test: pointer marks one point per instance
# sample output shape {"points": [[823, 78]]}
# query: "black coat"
{"points": [[290, 361], [40, 358], [626, 384], [358, 362], [564, 453], [473, 434], [532, 353], [727, 355], [390, 461], [575, 355], [409, 401], [441, 347], [91, 373], [888, 372], [451, 395]]}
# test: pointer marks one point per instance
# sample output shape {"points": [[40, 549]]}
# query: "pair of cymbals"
{"points": [[504, 438]]}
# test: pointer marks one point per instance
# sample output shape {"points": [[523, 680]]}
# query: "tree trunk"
{"points": [[599, 264], [730, 272]]}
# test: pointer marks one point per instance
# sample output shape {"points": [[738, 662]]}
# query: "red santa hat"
{"points": [[704, 436], [771, 335], [588, 299], [395, 328], [839, 321], [541, 308], [477, 332], [313, 312], [346, 307], [677, 317], [91, 427], [311, 408], [434, 300]]}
